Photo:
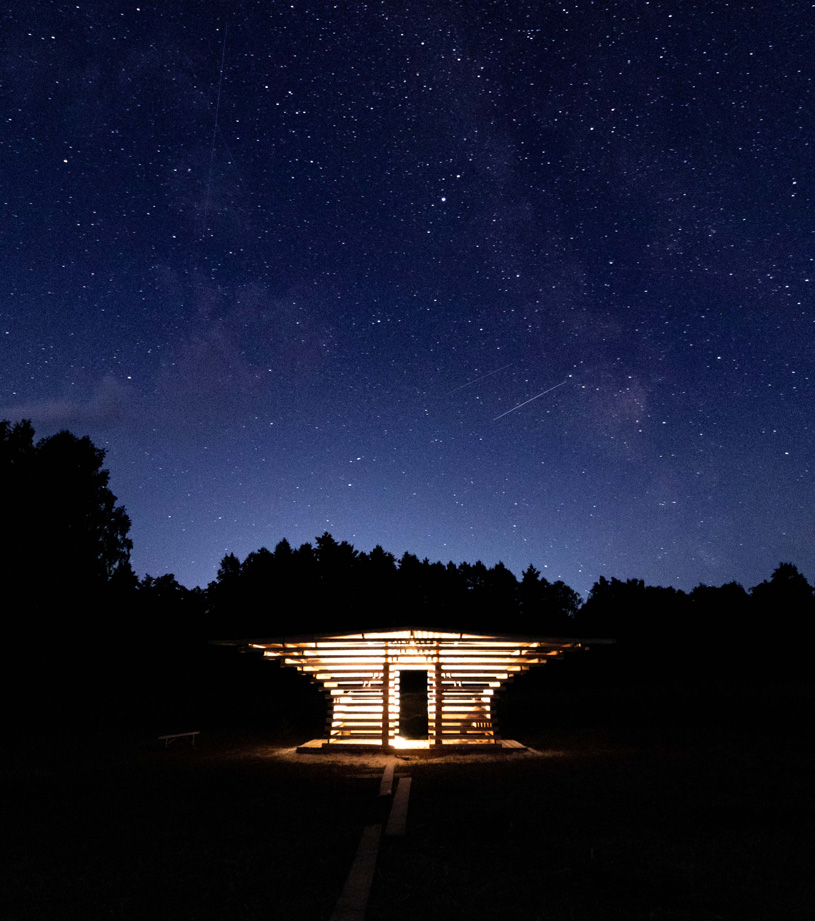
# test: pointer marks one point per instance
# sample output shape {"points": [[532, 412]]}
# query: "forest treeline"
{"points": [[69, 586], [329, 585]]}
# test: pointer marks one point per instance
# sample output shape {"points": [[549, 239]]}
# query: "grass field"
{"points": [[625, 819]]}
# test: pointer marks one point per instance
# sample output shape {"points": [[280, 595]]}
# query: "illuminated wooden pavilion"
{"points": [[370, 681]]}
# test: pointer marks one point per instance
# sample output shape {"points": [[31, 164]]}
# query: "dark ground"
{"points": [[640, 805]]}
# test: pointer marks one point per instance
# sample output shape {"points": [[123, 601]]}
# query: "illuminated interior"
{"points": [[361, 675]]}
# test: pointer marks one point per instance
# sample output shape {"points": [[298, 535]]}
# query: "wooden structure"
{"points": [[363, 674]]}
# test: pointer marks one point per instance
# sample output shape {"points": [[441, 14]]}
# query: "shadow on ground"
{"points": [[616, 818]]}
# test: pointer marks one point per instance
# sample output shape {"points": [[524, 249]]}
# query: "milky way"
{"points": [[273, 257]]}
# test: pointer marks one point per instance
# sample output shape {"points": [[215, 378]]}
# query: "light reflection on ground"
{"points": [[380, 759]]}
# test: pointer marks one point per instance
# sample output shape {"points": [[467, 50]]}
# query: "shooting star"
{"points": [[531, 399], [477, 379]]}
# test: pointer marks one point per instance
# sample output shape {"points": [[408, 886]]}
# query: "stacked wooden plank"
{"points": [[361, 676]]}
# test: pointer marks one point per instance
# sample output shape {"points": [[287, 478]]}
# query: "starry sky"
{"points": [[517, 281]]}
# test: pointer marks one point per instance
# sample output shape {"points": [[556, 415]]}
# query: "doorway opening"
{"points": [[413, 723]]}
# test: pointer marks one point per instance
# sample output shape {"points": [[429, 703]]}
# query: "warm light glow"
{"points": [[399, 742], [362, 675]]}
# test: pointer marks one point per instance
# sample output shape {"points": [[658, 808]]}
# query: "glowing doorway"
{"points": [[413, 704]]}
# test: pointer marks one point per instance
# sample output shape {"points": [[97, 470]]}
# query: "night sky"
{"points": [[517, 281]]}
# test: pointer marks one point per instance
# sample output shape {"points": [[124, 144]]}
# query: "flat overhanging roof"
{"points": [[415, 633], [362, 673]]}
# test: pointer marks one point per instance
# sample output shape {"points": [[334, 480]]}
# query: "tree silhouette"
{"points": [[64, 570], [787, 596], [377, 575], [786, 604], [338, 578], [169, 614], [64, 532]]}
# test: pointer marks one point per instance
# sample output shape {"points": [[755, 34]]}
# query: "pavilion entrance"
{"points": [[413, 703]]}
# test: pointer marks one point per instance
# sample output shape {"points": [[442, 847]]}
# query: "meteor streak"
{"points": [[530, 400], [477, 379]]}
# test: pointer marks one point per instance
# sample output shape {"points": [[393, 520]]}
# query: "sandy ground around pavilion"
{"points": [[683, 822]]}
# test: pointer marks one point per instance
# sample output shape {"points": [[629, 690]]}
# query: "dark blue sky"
{"points": [[293, 264]]}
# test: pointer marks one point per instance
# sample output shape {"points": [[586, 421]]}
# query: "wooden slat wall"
{"points": [[361, 676]]}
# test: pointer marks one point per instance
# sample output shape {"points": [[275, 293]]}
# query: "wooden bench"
{"points": [[178, 735]]}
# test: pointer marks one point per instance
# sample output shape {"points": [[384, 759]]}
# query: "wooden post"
{"points": [[439, 695], [386, 695]]}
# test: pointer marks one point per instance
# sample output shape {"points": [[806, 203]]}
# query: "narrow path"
{"points": [[353, 900]]}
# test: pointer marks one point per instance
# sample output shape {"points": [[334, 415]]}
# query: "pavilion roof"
{"points": [[415, 632]]}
